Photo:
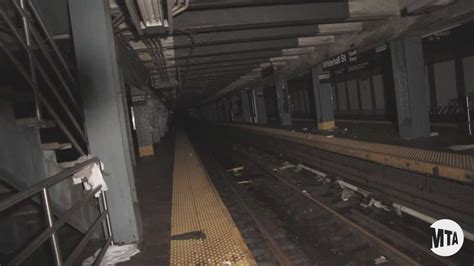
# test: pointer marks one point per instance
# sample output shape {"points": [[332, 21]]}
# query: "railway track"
{"points": [[339, 232], [432, 195], [260, 227]]}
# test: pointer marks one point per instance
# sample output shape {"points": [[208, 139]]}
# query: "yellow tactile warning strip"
{"points": [[446, 164], [202, 230]]}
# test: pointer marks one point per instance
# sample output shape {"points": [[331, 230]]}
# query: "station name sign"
{"points": [[138, 100], [344, 58]]}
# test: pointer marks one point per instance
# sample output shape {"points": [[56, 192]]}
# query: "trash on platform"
{"points": [[461, 147], [330, 136], [244, 182], [434, 134], [114, 255]]}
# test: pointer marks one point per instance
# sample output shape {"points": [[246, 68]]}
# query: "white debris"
{"points": [[90, 176], [114, 255], [286, 165], [461, 147], [309, 169], [237, 171], [345, 185], [244, 182], [377, 204], [347, 194], [381, 260], [434, 134]]}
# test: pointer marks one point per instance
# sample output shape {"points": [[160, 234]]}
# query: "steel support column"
{"points": [[228, 109], [260, 103], [410, 89], [105, 112], [283, 100], [245, 106], [323, 98]]}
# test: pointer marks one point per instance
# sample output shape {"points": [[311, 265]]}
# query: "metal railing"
{"points": [[468, 115], [45, 67], [54, 224]]}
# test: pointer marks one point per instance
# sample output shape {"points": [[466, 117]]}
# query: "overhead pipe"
{"points": [[181, 9]]}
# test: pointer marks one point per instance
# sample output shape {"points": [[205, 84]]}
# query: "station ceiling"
{"points": [[209, 47]]}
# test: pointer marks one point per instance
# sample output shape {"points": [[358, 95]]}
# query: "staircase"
{"points": [[20, 225], [51, 101]]}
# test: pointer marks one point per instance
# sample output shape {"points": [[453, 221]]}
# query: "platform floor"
{"points": [[459, 167], [385, 132], [202, 230]]}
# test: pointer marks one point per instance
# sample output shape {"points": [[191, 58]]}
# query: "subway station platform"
{"points": [[202, 230], [184, 220], [445, 136], [449, 165]]}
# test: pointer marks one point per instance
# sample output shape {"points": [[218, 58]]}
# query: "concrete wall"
{"points": [[21, 157], [469, 74], [445, 82]]}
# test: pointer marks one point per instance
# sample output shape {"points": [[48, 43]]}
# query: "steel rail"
{"points": [[20, 196], [45, 77], [56, 70], [371, 237], [85, 239], [102, 252], [280, 255], [53, 226], [38, 18], [43, 100], [50, 60], [39, 240]]}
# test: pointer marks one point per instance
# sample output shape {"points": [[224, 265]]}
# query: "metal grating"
{"points": [[202, 230]]}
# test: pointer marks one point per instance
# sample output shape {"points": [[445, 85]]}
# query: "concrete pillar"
{"points": [[143, 123], [215, 111], [283, 101], [219, 111], [323, 98], [234, 105], [410, 89], [260, 106], [104, 111], [226, 109], [246, 113]]}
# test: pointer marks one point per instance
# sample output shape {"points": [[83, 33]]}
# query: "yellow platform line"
{"points": [[449, 165], [202, 230]]}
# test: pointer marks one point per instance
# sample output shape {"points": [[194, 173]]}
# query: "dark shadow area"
{"points": [[154, 183]]}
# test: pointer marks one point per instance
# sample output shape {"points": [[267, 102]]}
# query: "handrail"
{"points": [[38, 18], [53, 226], [40, 44], [43, 100], [20, 196], [54, 71], [44, 76]]}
